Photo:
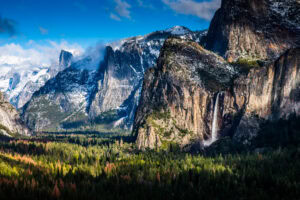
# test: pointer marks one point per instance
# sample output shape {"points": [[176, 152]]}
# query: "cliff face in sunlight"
{"points": [[193, 92], [179, 96]]}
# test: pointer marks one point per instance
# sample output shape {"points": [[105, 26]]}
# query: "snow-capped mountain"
{"points": [[104, 97], [19, 83]]}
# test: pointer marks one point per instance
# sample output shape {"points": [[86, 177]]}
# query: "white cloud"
{"points": [[95, 53], [43, 31], [115, 17], [34, 54], [204, 10], [143, 4], [121, 10]]}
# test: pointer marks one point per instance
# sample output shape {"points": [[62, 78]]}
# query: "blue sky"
{"points": [[88, 21], [40, 26]]}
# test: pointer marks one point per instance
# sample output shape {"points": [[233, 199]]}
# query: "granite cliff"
{"points": [[255, 29], [195, 96]]}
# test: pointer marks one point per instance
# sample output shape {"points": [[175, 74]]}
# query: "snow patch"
{"points": [[119, 122], [178, 30]]}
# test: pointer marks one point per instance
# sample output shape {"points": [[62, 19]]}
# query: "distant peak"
{"points": [[65, 53], [65, 58], [178, 30]]}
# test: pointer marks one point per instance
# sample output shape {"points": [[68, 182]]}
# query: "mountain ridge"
{"points": [[110, 93]]}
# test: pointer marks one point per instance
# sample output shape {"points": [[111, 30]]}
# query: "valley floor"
{"points": [[94, 167]]}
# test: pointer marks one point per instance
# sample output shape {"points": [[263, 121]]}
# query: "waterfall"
{"points": [[215, 128]]}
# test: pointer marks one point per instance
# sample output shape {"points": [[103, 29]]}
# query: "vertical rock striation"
{"points": [[268, 93], [177, 102], [257, 29], [65, 59]]}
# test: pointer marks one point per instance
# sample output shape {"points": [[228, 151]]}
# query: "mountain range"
{"points": [[175, 86], [104, 97]]}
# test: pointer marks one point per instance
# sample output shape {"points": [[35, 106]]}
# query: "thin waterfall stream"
{"points": [[215, 127]]}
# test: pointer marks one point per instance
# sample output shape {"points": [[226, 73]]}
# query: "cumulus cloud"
{"points": [[7, 26], [121, 10], [95, 54], [144, 4], [204, 10], [43, 31], [34, 55], [115, 17]]}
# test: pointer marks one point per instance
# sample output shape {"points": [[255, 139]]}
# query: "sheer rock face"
{"points": [[179, 95], [122, 72], [65, 59], [10, 121], [258, 29], [269, 93]]}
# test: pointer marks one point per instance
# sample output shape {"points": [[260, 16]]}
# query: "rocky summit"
{"points": [[255, 29], [194, 96]]}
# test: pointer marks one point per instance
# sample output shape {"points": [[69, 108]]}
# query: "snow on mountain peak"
{"points": [[178, 30]]}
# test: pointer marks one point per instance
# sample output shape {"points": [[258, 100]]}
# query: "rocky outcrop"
{"points": [[65, 59], [179, 96], [10, 122], [256, 29]]}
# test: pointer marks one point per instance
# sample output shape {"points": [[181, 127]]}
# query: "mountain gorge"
{"points": [[194, 96], [104, 96]]}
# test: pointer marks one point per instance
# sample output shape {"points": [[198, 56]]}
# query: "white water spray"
{"points": [[215, 128]]}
